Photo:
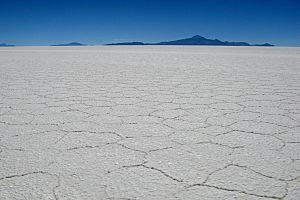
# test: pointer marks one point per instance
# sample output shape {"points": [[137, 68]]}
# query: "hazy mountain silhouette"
{"points": [[70, 44], [195, 40], [128, 43], [6, 45], [264, 45]]}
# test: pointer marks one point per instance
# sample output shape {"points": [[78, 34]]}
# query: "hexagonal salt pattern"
{"points": [[150, 122]]}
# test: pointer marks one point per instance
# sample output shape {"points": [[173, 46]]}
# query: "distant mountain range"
{"points": [[195, 40], [6, 45], [70, 44]]}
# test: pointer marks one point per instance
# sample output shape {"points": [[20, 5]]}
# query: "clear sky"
{"points": [[45, 22]]}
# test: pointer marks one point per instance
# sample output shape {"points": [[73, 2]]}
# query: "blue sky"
{"points": [[44, 22]]}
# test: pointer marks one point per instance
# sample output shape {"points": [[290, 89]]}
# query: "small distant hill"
{"points": [[264, 45], [70, 44], [6, 45], [195, 40], [128, 43]]}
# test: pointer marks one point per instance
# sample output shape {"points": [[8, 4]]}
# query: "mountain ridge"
{"points": [[196, 40], [6, 45], [70, 44]]}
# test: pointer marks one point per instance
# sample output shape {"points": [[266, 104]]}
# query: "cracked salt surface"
{"points": [[149, 122]]}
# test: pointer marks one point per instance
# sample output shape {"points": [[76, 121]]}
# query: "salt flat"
{"points": [[149, 122]]}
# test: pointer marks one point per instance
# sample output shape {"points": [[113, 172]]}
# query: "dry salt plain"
{"points": [[153, 122]]}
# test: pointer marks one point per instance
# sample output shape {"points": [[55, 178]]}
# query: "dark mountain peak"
{"points": [[76, 44], [198, 37], [70, 44]]}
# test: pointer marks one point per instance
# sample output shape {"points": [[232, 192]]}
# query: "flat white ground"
{"points": [[153, 122]]}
